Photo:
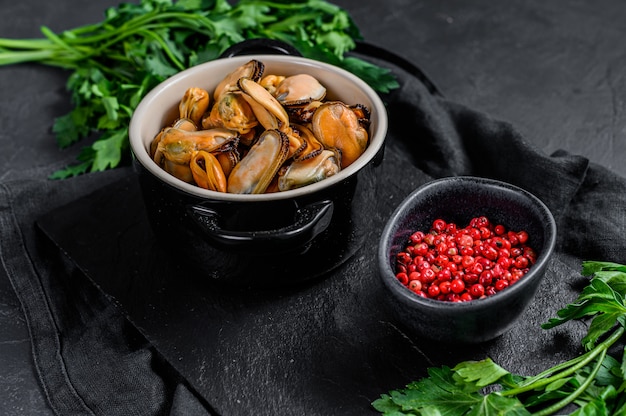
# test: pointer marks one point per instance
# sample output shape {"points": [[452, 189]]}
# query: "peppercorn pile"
{"points": [[456, 264]]}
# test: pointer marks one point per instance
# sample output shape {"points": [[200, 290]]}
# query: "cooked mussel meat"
{"points": [[271, 82], [233, 112], [299, 89], [194, 104], [307, 171], [268, 111], [257, 168], [311, 146], [207, 171], [337, 126], [252, 70]]}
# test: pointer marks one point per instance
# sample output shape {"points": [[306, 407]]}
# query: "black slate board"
{"points": [[326, 347]]}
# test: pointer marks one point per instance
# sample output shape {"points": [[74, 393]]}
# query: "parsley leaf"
{"points": [[479, 373], [452, 392]]}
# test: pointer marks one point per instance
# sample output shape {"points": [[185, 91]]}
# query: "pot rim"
{"points": [[145, 112]]}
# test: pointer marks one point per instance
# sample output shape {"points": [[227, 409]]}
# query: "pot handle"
{"points": [[258, 46], [309, 221]]}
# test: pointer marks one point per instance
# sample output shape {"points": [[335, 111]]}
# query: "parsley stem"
{"points": [[328, 7], [151, 20], [48, 57], [584, 360], [573, 395], [553, 370], [166, 49], [55, 39], [24, 43], [146, 26], [11, 57], [102, 32]]}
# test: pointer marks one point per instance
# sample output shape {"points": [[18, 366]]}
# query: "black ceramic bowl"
{"points": [[265, 239], [458, 200]]}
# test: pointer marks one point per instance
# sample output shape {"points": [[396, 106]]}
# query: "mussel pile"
{"points": [[260, 133]]}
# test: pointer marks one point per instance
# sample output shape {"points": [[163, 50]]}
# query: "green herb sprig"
{"points": [[594, 383], [115, 62]]}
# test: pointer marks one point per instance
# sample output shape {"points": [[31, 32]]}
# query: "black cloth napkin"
{"points": [[91, 360]]}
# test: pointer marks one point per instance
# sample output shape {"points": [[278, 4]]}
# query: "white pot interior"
{"points": [[160, 108]]}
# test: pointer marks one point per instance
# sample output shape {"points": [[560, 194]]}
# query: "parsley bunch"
{"points": [[594, 382], [115, 62]]}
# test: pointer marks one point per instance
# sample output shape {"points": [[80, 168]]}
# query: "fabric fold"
{"points": [[449, 139], [594, 223], [89, 359]]}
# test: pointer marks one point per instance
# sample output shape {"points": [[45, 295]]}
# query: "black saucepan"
{"points": [[267, 239]]}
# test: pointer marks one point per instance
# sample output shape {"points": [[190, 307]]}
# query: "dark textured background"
{"points": [[552, 69]]}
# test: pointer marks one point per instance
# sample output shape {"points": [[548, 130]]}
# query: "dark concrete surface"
{"points": [[553, 69]]}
